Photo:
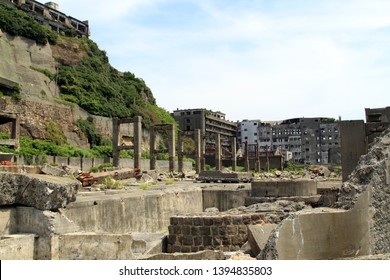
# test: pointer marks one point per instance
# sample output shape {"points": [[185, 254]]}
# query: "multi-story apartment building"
{"points": [[248, 132], [210, 123], [310, 140], [50, 15]]}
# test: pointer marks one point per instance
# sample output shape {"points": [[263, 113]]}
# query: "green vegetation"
{"points": [[94, 137], [96, 86], [45, 72], [55, 134], [19, 23], [169, 181]]}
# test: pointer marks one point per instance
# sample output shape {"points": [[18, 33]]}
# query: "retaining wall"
{"points": [[87, 163]]}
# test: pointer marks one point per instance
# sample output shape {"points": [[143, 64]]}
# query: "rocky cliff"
{"points": [[26, 63]]}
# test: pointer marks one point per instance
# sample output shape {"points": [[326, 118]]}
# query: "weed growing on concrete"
{"points": [[169, 181], [144, 186], [109, 182]]}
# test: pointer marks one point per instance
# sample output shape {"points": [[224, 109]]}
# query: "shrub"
{"points": [[19, 23]]}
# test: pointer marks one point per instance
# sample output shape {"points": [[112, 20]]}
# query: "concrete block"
{"points": [[283, 188], [7, 221], [17, 247], [43, 223], [92, 246]]}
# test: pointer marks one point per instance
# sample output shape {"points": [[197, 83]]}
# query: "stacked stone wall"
{"points": [[210, 232]]}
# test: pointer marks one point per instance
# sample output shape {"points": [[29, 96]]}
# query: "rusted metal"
{"points": [[88, 178]]}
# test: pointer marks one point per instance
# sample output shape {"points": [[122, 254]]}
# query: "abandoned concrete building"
{"points": [[50, 15], [310, 140], [248, 132], [210, 124]]}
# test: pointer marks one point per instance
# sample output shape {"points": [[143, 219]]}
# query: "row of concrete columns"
{"points": [[196, 135]]}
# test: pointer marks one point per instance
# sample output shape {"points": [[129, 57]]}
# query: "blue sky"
{"points": [[251, 59]]}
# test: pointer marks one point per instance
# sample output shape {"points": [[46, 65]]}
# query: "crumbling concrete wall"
{"points": [[224, 198], [359, 225], [142, 211]]}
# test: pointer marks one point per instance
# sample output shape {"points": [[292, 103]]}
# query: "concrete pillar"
{"points": [[180, 155], [203, 146], [115, 140], [152, 149], [198, 151], [234, 154], [171, 147], [218, 161], [137, 124], [15, 131], [257, 164], [246, 163]]}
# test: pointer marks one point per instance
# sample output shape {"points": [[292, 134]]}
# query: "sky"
{"points": [[250, 59]]}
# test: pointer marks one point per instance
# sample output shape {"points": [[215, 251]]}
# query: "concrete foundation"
{"points": [[283, 188]]}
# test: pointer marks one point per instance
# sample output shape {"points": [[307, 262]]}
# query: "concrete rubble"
{"points": [[43, 192], [358, 225]]}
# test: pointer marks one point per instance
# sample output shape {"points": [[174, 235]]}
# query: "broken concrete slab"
{"points": [[258, 236], [146, 243], [36, 190], [52, 170]]}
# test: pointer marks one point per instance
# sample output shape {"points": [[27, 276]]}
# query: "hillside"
{"points": [[63, 79]]}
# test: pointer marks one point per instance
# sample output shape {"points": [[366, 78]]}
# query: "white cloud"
{"points": [[248, 59]]}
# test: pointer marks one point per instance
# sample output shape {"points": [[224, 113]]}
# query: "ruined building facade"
{"points": [[50, 15], [248, 132], [210, 124], [308, 140]]}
